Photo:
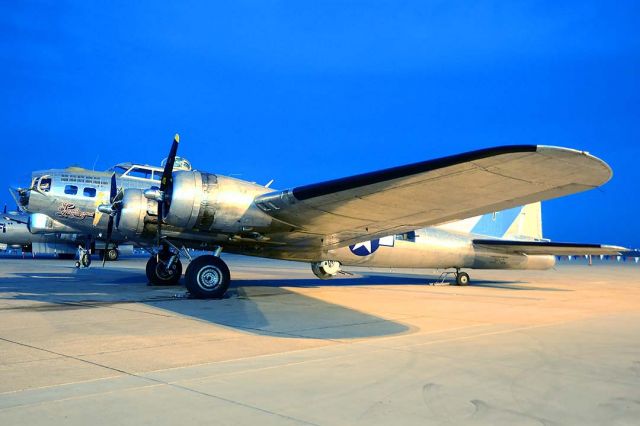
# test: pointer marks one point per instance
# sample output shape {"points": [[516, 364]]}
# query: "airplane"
{"points": [[447, 213], [29, 234]]}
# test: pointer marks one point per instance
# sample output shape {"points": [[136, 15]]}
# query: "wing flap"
{"points": [[548, 248]]}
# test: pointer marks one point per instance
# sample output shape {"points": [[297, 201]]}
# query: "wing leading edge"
{"points": [[344, 211]]}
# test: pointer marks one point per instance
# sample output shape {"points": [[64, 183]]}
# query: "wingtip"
{"points": [[595, 163]]}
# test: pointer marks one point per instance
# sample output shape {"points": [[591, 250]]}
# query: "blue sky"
{"points": [[306, 91]]}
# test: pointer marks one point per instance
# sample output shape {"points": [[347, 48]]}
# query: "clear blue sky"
{"points": [[304, 91]]}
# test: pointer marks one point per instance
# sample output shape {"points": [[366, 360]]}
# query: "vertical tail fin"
{"points": [[527, 225], [520, 223]]}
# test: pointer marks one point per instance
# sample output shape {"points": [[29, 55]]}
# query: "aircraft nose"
{"points": [[20, 196]]}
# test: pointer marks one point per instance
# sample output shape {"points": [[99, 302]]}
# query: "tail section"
{"points": [[520, 223], [528, 224]]}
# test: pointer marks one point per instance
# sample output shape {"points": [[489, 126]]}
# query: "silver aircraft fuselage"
{"points": [[435, 248]]}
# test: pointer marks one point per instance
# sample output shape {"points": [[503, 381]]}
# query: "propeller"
{"points": [[163, 195], [5, 209], [113, 210]]}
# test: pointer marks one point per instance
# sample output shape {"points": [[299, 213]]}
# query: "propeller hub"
{"points": [[106, 209], [154, 194]]}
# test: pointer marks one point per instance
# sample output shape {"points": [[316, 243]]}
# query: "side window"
{"points": [[407, 236], [70, 189], [89, 192]]}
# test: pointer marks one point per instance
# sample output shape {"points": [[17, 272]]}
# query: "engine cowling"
{"points": [[135, 208], [210, 202], [326, 269]]}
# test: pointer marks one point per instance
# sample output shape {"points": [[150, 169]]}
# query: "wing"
{"points": [[18, 218], [551, 248], [344, 211]]}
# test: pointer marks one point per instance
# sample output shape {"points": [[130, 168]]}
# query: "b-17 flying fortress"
{"points": [[476, 210]]}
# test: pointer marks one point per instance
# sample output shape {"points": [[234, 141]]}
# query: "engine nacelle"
{"points": [[326, 269], [40, 223], [210, 202], [135, 207]]}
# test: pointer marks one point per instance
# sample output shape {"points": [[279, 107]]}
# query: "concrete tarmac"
{"points": [[99, 346]]}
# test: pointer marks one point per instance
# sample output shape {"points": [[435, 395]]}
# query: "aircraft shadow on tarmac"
{"points": [[385, 280], [288, 314], [264, 307]]}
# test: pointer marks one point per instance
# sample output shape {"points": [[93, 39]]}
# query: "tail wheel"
{"points": [[159, 274], [462, 278], [207, 277]]}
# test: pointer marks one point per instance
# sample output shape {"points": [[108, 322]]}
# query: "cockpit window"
{"points": [[89, 192], [70, 189], [45, 184], [139, 172]]}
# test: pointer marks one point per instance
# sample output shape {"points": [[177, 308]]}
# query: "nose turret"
{"points": [[20, 196]]}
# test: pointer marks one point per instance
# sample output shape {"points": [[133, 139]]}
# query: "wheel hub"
{"points": [[209, 277], [165, 273]]}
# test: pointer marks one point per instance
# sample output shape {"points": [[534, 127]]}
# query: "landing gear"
{"points": [[325, 269], [84, 259], [462, 278], [164, 268], [207, 277], [111, 254]]}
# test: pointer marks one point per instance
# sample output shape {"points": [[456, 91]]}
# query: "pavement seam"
{"points": [[157, 381]]}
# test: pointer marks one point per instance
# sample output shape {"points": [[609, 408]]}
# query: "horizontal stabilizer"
{"points": [[548, 248]]}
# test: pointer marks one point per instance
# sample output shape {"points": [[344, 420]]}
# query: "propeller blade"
{"points": [[167, 173], [113, 194], [166, 184], [114, 189], [96, 218], [106, 245], [5, 209]]}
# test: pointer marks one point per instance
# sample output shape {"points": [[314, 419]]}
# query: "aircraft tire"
{"points": [[85, 259], [462, 278], [157, 275], [207, 277], [112, 254]]}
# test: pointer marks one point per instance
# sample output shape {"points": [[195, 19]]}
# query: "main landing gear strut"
{"points": [[206, 277], [164, 267]]}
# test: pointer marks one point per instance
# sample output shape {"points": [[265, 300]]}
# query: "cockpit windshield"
{"points": [[140, 172], [118, 169], [41, 183]]}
